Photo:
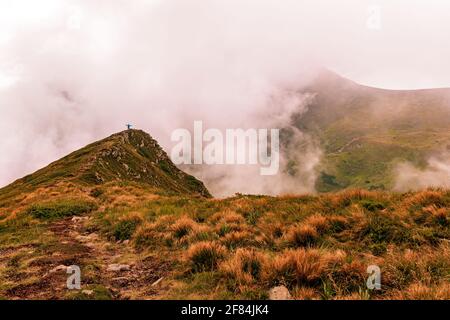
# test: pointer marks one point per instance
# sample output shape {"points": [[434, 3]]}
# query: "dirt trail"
{"points": [[108, 269], [348, 144]]}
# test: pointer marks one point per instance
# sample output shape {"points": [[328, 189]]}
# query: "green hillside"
{"points": [[365, 132], [131, 155], [139, 228]]}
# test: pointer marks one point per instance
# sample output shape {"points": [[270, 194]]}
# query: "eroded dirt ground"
{"points": [[109, 270]]}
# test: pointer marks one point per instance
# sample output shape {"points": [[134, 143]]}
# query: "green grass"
{"points": [[99, 293], [22, 230], [60, 209], [365, 132], [130, 156], [124, 229], [356, 227]]}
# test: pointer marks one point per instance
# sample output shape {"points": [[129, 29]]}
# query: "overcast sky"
{"points": [[75, 71]]}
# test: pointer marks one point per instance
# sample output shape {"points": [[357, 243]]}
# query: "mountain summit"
{"points": [[131, 155]]}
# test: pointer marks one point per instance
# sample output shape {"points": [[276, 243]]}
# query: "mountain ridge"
{"points": [[365, 132], [131, 155]]}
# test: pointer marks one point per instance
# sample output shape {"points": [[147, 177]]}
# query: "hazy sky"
{"points": [[75, 71]]}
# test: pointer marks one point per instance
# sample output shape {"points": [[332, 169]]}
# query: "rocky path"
{"points": [[108, 270]]}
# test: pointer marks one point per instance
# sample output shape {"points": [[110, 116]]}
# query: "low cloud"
{"points": [[299, 155], [74, 71], [435, 174]]}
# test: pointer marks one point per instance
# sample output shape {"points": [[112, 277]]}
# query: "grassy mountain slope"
{"points": [[139, 228], [319, 247], [130, 155], [366, 131]]}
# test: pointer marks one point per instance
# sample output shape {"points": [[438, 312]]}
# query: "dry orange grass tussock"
{"points": [[343, 198], [437, 215], [318, 221], [305, 293], [423, 198], [238, 239], [302, 235], [205, 255], [182, 228], [419, 291], [302, 267], [245, 266], [226, 216]]}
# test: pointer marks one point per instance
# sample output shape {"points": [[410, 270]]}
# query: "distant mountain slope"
{"points": [[131, 155], [365, 132]]}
